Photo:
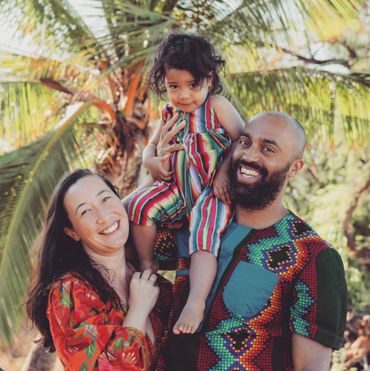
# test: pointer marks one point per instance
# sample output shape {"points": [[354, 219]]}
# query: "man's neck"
{"points": [[260, 219]]}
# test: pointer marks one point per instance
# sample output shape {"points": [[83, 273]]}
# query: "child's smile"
{"points": [[183, 91]]}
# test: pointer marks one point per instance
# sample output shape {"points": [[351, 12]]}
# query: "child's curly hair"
{"points": [[186, 52]]}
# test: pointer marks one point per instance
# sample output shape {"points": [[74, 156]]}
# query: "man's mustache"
{"points": [[263, 171]]}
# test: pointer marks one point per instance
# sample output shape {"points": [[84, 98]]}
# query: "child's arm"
{"points": [[232, 122], [157, 153], [158, 167]]}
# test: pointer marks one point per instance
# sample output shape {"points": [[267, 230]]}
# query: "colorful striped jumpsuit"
{"points": [[190, 193]]}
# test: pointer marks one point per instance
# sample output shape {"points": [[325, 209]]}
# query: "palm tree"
{"points": [[79, 95]]}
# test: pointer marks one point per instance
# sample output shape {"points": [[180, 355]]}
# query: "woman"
{"points": [[88, 303]]}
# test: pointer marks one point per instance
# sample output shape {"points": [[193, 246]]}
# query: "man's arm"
{"points": [[309, 355]]}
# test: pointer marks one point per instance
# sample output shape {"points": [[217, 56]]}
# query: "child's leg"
{"points": [[144, 238], [159, 203], [202, 274], [208, 220]]}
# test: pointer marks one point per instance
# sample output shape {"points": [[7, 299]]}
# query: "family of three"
{"points": [[255, 289]]}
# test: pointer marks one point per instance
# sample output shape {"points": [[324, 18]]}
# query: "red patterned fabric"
{"points": [[88, 334]]}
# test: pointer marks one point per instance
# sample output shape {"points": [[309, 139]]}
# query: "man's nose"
{"points": [[251, 154]]}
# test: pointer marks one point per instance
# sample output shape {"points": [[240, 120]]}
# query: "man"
{"points": [[279, 298]]}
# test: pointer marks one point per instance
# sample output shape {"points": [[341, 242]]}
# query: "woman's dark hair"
{"points": [[186, 52], [60, 254]]}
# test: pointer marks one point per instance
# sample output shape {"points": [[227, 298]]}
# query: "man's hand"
{"points": [[221, 186]]}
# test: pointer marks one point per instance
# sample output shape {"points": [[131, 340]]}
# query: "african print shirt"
{"points": [[88, 334], [270, 283]]}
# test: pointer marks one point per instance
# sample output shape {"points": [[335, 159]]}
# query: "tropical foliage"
{"points": [[75, 87]]}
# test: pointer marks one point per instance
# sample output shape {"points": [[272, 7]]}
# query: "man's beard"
{"points": [[258, 195]]}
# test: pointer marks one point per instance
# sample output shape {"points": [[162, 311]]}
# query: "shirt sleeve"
{"points": [[87, 335], [320, 300]]}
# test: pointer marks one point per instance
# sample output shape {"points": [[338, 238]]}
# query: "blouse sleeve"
{"points": [[88, 334]]}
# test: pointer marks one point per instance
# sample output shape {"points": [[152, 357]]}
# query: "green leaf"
{"points": [[28, 177], [90, 350]]}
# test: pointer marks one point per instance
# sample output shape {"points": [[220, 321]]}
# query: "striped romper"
{"points": [[190, 193]]}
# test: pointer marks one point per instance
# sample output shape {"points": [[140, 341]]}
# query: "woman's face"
{"points": [[97, 215]]}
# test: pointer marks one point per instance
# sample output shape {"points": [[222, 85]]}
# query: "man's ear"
{"points": [[295, 168], [71, 233]]}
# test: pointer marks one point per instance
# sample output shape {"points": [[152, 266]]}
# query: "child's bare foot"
{"points": [[190, 318], [149, 264]]}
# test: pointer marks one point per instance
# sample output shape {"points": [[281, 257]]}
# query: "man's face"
{"points": [[264, 158]]}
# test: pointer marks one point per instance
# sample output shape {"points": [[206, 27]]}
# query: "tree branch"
{"points": [[313, 60], [97, 102], [347, 225]]}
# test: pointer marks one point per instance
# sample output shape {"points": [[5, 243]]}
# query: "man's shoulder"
{"points": [[304, 233]]}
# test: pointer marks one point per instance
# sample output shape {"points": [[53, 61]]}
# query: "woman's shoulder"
{"points": [[69, 281]]}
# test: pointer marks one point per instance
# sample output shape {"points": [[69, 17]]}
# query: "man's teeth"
{"points": [[248, 172], [110, 229]]}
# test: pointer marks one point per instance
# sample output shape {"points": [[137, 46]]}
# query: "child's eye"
{"points": [[172, 86], [194, 85]]}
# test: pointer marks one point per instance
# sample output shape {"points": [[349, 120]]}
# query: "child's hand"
{"points": [[221, 186], [159, 167]]}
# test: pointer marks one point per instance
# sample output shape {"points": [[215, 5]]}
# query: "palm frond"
{"points": [[53, 23], [328, 105], [27, 111], [29, 176]]}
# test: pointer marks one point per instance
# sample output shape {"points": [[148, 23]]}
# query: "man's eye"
{"points": [[268, 149], [244, 142]]}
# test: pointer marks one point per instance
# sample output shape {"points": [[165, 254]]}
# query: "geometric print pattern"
{"points": [[281, 291]]}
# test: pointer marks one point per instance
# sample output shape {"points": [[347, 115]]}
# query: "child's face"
{"points": [[183, 92]]}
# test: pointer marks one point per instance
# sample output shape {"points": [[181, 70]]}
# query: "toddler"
{"points": [[186, 67]]}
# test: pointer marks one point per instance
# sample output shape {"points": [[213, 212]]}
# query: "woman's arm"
{"points": [[87, 332]]}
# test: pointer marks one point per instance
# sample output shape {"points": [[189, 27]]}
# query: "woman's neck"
{"points": [[114, 265]]}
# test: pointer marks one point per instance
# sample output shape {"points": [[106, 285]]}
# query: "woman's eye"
{"points": [[106, 198], [84, 212]]}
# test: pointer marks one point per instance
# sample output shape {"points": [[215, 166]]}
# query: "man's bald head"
{"points": [[290, 123]]}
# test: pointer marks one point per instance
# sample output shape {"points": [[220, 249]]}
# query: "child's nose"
{"points": [[184, 93]]}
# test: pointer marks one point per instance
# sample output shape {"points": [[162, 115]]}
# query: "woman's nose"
{"points": [[101, 216]]}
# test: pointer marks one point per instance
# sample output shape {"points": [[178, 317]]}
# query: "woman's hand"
{"points": [[143, 292], [142, 298]]}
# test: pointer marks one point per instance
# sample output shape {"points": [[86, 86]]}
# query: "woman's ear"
{"points": [[71, 233]]}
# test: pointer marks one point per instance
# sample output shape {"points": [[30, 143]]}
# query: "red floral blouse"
{"points": [[88, 334]]}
